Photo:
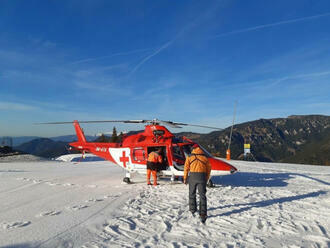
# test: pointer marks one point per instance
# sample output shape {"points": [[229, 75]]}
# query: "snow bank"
{"points": [[47, 204], [21, 158], [78, 158]]}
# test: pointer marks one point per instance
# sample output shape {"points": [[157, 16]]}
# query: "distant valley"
{"points": [[65, 138]]}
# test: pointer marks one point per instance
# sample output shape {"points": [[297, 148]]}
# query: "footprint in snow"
{"points": [[110, 196], [23, 179], [29, 179], [68, 184], [52, 184], [91, 244], [49, 213], [94, 200], [77, 207], [91, 186], [16, 224]]}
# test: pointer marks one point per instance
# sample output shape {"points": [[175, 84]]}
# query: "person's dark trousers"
{"points": [[197, 181]]}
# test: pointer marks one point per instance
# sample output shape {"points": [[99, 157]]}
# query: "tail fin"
{"points": [[79, 132]]}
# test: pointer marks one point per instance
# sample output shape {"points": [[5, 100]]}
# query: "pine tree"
{"points": [[120, 137], [102, 139], [114, 137]]}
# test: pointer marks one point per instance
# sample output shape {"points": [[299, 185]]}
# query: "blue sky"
{"points": [[185, 61]]}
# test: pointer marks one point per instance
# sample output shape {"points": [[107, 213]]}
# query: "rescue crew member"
{"points": [[199, 169], [153, 164]]}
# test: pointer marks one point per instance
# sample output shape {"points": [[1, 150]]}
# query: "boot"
{"points": [[203, 218]]}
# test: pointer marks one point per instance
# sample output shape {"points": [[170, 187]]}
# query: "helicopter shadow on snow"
{"points": [[253, 179], [242, 207], [20, 245], [11, 171]]}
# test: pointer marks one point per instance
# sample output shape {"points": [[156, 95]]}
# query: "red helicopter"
{"points": [[132, 152]]}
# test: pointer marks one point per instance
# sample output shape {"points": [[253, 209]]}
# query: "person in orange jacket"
{"points": [[153, 164], [198, 167]]}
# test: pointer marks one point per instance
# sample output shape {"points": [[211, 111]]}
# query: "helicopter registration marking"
{"points": [[101, 149]]}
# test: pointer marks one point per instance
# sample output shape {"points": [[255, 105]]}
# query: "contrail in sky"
{"points": [[109, 56], [271, 25], [314, 74], [227, 34], [170, 42], [153, 54]]}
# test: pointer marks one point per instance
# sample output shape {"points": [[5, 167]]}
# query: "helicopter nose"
{"points": [[220, 165]]}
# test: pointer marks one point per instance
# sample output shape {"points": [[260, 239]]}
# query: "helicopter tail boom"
{"points": [[80, 133]]}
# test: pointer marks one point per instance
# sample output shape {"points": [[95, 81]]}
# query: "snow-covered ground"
{"points": [[64, 204]]}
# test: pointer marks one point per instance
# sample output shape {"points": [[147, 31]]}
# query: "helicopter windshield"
{"points": [[188, 148], [177, 153], [207, 154]]}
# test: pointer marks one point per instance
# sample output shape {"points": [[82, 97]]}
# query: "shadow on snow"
{"points": [[265, 203], [21, 245], [253, 179]]}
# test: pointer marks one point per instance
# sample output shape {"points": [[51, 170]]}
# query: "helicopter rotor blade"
{"points": [[55, 123], [169, 123], [105, 121], [153, 122], [193, 125], [178, 124]]}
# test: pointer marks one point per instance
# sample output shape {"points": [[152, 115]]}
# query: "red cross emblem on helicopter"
{"points": [[124, 159]]}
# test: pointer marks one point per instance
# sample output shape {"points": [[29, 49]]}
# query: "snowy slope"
{"points": [[63, 204]]}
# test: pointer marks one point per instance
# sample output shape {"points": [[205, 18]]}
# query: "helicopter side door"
{"points": [[164, 165]]}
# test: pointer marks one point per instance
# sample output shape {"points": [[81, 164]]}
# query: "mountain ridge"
{"points": [[276, 140]]}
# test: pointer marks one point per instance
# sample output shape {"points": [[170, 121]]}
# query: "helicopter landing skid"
{"points": [[127, 180]]}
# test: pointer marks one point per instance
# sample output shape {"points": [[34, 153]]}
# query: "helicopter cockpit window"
{"points": [[176, 140], [159, 132], [187, 150], [207, 154], [177, 153]]}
